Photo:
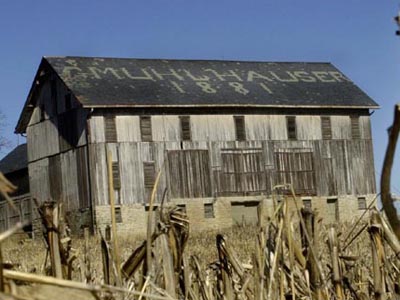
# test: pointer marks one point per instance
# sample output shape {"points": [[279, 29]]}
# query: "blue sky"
{"points": [[358, 37]]}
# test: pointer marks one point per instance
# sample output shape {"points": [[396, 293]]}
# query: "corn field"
{"points": [[293, 257]]}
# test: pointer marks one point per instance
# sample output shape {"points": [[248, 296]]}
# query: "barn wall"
{"points": [[56, 141], [340, 166], [220, 127]]}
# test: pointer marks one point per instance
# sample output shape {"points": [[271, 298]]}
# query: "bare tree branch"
{"points": [[386, 197]]}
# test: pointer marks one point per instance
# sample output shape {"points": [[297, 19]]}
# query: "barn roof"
{"points": [[122, 82], [16, 160]]}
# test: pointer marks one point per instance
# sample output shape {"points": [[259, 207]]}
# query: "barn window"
{"points": [[307, 203], [362, 203], [110, 129], [242, 172], [326, 128], [332, 215], [189, 173], [145, 129], [118, 214], [182, 208], [149, 170], [240, 130], [291, 127], [209, 210], [296, 166], [116, 175], [355, 127], [185, 128]]}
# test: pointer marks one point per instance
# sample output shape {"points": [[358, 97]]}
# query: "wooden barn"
{"points": [[15, 168], [222, 134]]}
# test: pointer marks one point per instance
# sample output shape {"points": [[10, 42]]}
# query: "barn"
{"points": [[221, 134], [14, 166]]}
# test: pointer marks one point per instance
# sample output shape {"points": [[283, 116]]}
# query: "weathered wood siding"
{"points": [[338, 166], [56, 139], [44, 132], [9, 216], [221, 128]]}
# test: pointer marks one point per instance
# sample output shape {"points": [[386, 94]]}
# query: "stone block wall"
{"points": [[132, 219]]}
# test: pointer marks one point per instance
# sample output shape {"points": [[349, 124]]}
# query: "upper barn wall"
{"points": [[56, 118], [167, 128]]}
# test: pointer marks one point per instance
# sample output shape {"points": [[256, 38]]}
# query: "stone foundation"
{"points": [[226, 212]]}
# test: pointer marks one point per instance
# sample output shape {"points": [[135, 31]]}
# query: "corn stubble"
{"points": [[290, 257]]}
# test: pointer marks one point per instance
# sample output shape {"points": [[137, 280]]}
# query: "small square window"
{"points": [[118, 214], [182, 208], [209, 210], [362, 203], [307, 203]]}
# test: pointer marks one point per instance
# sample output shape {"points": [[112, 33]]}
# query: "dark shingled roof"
{"points": [[111, 82], [125, 82], [16, 160]]}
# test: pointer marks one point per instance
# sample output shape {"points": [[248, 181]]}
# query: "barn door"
{"points": [[189, 174], [242, 172], [296, 167]]}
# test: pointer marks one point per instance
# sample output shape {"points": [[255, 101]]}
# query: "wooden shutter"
{"points": [[355, 127], [149, 170], [291, 127], [326, 128], [145, 129], [240, 129], [116, 175], [110, 129], [185, 128]]}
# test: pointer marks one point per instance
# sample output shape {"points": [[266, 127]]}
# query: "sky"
{"points": [[358, 37]]}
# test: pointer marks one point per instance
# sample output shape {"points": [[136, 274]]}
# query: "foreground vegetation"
{"points": [[291, 257]]}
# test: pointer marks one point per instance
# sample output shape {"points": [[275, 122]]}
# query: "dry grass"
{"points": [[29, 255]]}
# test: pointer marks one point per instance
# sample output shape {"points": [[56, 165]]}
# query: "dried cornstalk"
{"points": [[378, 257]]}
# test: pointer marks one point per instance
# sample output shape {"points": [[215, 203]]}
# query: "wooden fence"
{"points": [[10, 216]]}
